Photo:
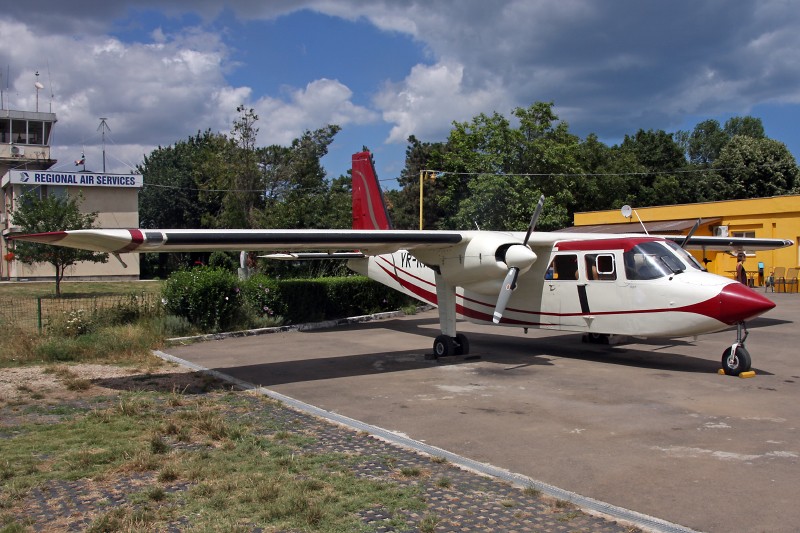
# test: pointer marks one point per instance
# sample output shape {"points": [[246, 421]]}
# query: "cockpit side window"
{"points": [[563, 267]]}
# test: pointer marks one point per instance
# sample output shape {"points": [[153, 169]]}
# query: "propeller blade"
{"points": [[509, 284], [691, 232], [534, 219]]}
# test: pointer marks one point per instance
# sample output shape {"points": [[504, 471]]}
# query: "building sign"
{"points": [[74, 179]]}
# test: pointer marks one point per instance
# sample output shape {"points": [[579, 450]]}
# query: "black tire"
{"points": [[598, 338], [462, 344], [739, 363], [443, 346]]}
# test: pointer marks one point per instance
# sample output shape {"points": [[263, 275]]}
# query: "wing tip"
{"points": [[42, 238]]}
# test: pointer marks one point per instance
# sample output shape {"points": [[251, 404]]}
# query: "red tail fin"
{"points": [[369, 210]]}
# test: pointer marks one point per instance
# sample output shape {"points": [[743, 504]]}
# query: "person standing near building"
{"points": [[741, 272]]}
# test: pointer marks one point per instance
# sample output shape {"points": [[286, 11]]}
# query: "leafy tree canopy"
{"points": [[53, 213]]}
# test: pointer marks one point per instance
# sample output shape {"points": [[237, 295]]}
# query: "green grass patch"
{"points": [[238, 479], [33, 289]]}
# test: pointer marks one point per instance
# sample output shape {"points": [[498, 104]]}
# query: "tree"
{"points": [[757, 167], [746, 126], [53, 213], [182, 189], [706, 142], [245, 192]]}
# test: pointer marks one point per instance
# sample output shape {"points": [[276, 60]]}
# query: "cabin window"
{"points": [[600, 267], [563, 267]]}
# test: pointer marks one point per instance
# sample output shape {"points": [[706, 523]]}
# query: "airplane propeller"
{"points": [[518, 258]]}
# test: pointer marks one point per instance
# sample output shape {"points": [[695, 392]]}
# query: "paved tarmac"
{"points": [[647, 426]]}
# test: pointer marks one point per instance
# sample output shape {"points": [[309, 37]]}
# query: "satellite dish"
{"points": [[627, 211], [38, 85]]}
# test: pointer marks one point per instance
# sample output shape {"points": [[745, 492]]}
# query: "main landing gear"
{"points": [[445, 345], [736, 358]]}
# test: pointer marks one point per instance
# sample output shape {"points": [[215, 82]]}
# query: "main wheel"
{"points": [[462, 344], [735, 364], [598, 338], [443, 346]]}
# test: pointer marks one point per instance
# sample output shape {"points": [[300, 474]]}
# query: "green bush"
{"points": [[207, 297], [214, 300], [224, 260], [310, 300], [262, 297]]}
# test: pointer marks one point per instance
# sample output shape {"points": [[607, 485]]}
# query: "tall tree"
{"points": [[294, 181], [745, 126], [757, 167], [245, 189], [404, 203], [53, 213], [706, 142]]}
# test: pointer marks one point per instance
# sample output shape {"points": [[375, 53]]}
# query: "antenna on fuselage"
{"points": [[628, 210]]}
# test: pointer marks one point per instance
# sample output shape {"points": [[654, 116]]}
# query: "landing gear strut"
{"points": [[736, 358]]}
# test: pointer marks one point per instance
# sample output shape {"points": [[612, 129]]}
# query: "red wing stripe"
{"points": [[137, 238]]}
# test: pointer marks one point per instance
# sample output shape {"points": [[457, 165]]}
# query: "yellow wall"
{"points": [[775, 218]]}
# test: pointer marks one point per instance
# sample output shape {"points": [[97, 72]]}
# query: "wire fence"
{"points": [[43, 314]]}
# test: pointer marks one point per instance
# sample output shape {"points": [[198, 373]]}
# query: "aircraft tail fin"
{"points": [[369, 208]]}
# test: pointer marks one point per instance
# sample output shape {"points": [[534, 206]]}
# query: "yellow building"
{"points": [[777, 217]]}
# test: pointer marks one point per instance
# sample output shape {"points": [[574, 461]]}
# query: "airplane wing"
{"points": [[370, 242], [729, 244]]}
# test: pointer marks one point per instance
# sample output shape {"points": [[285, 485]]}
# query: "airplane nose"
{"points": [[738, 303]]}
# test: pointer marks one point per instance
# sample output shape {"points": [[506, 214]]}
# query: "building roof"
{"points": [[662, 227]]}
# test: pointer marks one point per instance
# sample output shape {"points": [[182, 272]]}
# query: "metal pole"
{"points": [[39, 313], [420, 198]]}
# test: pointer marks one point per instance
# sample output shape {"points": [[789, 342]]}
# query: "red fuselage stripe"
{"points": [[708, 308]]}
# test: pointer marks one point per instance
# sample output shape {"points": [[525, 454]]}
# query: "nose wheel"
{"points": [[736, 358]]}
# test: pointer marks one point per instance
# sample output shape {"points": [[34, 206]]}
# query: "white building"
{"points": [[26, 169]]}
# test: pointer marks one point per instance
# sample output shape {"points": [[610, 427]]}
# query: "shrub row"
{"points": [[213, 299]]}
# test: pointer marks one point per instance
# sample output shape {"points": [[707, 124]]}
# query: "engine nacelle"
{"points": [[481, 263]]}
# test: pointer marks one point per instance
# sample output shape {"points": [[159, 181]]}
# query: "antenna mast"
{"points": [[103, 127], [39, 87]]}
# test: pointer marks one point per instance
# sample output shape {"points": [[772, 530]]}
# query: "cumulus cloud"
{"points": [[427, 101], [152, 93], [321, 102], [610, 68]]}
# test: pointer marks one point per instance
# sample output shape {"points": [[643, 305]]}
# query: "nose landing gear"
{"points": [[736, 358]]}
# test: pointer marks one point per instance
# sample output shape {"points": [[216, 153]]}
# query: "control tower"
{"points": [[25, 140]]}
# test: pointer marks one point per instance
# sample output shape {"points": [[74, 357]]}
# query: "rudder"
{"points": [[369, 209]]}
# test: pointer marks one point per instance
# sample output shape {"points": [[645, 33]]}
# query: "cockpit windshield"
{"points": [[686, 256], [651, 260]]}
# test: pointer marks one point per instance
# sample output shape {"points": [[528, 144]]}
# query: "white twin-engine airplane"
{"points": [[600, 285]]}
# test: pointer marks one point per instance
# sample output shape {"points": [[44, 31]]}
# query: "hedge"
{"points": [[213, 299]]}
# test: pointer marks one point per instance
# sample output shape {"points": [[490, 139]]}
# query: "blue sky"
{"points": [[161, 71]]}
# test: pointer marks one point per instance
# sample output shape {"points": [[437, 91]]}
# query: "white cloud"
{"points": [[430, 99], [610, 68], [320, 103], [154, 93]]}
